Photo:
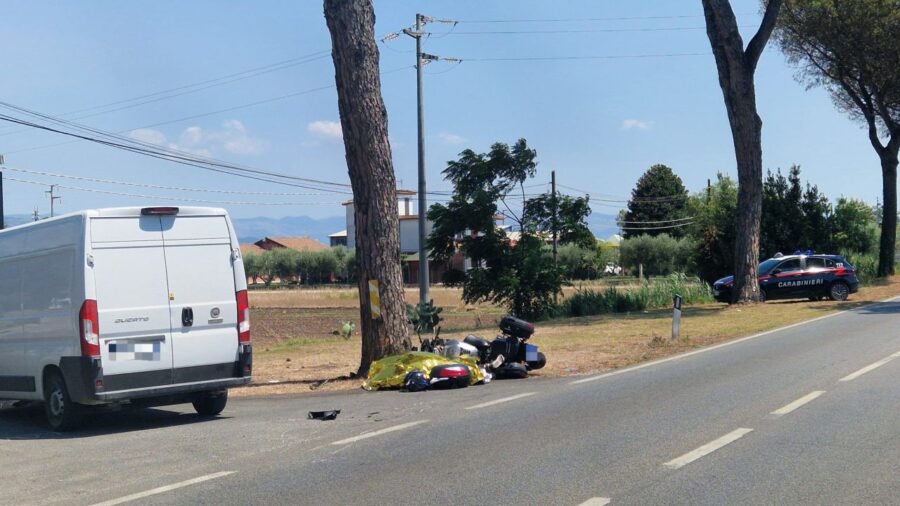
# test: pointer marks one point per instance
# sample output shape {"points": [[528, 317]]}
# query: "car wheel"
{"points": [[62, 414], [211, 403], [839, 291]]}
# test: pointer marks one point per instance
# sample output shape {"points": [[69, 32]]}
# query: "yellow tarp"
{"points": [[389, 372]]}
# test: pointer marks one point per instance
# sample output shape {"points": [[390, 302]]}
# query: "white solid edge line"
{"points": [[869, 368], [722, 345], [596, 501], [379, 432], [500, 401], [708, 448], [796, 404], [160, 490]]}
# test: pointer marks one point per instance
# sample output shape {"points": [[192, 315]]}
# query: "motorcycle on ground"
{"points": [[508, 356]]}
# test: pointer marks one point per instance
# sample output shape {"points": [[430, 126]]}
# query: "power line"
{"points": [[210, 113], [140, 147], [190, 88], [667, 198], [658, 228], [581, 30], [570, 20], [160, 197], [675, 220], [576, 57], [155, 186]]}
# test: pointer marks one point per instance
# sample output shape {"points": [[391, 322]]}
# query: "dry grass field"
{"points": [[291, 359]]}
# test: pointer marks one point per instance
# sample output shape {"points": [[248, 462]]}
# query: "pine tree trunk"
{"points": [[746, 132], [736, 68], [886, 250], [368, 153]]}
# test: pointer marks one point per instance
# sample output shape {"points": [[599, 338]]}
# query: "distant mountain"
{"points": [[253, 229], [603, 225], [17, 219]]}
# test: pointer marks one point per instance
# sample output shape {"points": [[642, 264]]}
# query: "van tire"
{"points": [[211, 403], [62, 413]]}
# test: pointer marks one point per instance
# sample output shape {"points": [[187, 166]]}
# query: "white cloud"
{"points": [[232, 138], [451, 139], [191, 136], [244, 146], [148, 135], [324, 128], [639, 124]]}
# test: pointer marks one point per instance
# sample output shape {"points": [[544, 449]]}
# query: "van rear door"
{"points": [[129, 266], [199, 262]]}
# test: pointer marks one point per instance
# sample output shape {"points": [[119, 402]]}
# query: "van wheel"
{"points": [[62, 414], [839, 291], [211, 403]]}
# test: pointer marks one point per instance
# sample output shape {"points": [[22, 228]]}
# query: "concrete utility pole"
{"points": [[420, 108], [2, 214], [53, 198], [554, 222]]}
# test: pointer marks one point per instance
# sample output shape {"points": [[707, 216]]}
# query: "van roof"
{"points": [[136, 211], [124, 212]]}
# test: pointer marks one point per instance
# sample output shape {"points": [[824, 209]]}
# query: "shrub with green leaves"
{"points": [[660, 255]]}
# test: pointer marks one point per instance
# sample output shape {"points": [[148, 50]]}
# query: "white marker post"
{"points": [[676, 317]]}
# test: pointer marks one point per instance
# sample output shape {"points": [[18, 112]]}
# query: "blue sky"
{"points": [[599, 123]]}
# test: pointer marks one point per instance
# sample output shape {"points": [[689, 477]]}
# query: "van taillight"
{"points": [[89, 325], [243, 317]]}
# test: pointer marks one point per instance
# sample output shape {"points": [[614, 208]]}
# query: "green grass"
{"points": [[656, 293]]}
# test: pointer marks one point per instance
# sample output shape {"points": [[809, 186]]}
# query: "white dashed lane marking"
{"points": [[796, 404], [167, 488], [379, 432], [870, 368], [722, 345], [708, 448], [500, 401], [596, 501]]}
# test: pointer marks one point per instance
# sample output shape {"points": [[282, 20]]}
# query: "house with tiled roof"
{"points": [[250, 249], [294, 243]]}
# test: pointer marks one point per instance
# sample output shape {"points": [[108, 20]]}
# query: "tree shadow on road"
{"points": [[27, 422], [884, 308], [861, 307]]}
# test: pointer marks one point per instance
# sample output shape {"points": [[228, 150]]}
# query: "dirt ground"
{"points": [[296, 352]]}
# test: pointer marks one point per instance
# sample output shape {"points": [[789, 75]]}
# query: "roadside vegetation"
{"points": [[295, 360]]}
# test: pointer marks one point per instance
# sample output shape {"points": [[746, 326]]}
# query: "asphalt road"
{"points": [[804, 415]]}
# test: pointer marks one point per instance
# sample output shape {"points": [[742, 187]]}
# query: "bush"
{"points": [[578, 262], [866, 265], [660, 255], [650, 294]]}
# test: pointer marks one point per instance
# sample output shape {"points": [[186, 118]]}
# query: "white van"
{"points": [[145, 306]]}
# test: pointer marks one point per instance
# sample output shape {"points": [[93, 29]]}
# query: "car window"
{"points": [[790, 265], [766, 266], [816, 263]]}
